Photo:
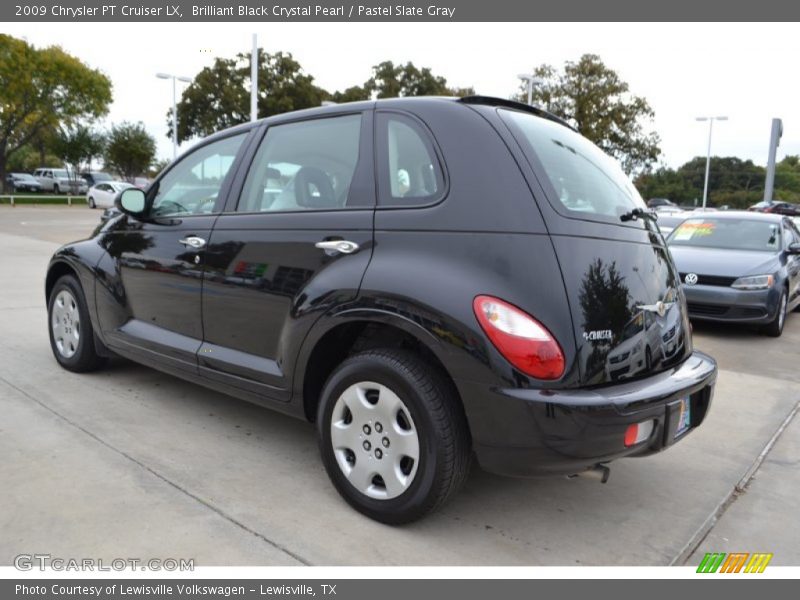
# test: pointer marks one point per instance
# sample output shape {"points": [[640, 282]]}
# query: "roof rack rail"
{"points": [[539, 112]]}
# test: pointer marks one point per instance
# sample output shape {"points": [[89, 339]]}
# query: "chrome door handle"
{"points": [[193, 241], [343, 246]]}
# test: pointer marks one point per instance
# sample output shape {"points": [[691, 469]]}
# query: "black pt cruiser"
{"points": [[427, 279]]}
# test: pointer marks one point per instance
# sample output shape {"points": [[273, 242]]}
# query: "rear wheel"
{"points": [[392, 435], [92, 203], [71, 333], [56, 189], [775, 328]]}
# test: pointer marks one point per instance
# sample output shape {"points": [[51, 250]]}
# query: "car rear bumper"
{"points": [[718, 303], [528, 433]]}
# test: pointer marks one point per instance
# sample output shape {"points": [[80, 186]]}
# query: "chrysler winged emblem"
{"points": [[660, 307]]}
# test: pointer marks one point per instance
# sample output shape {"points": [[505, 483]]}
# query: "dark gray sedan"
{"points": [[739, 267]]}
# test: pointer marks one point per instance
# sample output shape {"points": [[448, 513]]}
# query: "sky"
{"points": [[747, 72]]}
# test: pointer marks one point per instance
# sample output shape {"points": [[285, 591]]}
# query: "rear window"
{"points": [[585, 181], [729, 234]]}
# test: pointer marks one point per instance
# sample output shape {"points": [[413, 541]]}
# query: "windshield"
{"points": [[586, 180], [731, 234], [23, 176], [669, 221], [101, 176]]}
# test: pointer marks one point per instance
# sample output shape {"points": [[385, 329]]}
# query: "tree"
{"points": [[666, 183], [77, 146], [219, 96], [351, 94], [787, 179], [29, 158], [390, 81], [732, 181], [130, 150], [157, 167], [41, 89], [598, 103]]}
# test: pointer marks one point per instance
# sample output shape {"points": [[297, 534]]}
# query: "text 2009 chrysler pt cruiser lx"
{"points": [[426, 278]]}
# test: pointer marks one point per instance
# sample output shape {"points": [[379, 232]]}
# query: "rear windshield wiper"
{"points": [[638, 213]]}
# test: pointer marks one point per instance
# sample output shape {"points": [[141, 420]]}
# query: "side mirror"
{"points": [[793, 248], [131, 201]]}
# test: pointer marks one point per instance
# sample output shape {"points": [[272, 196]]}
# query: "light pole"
{"points": [[531, 79], [174, 108], [708, 154], [254, 80]]}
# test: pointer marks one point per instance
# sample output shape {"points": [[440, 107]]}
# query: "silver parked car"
{"points": [[59, 180]]}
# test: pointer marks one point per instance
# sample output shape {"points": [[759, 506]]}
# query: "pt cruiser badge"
{"points": [[598, 335]]}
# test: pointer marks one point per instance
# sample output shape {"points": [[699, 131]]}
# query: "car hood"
{"points": [[724, 263]]}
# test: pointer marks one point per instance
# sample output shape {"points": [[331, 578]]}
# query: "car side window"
{"points": [[306, 165], [408, 169], [191, 187]]}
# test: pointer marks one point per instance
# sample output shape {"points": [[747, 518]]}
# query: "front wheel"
{"points": [[393, 436], [71, 333], [56, 189], [775, 328], [92, 203]]}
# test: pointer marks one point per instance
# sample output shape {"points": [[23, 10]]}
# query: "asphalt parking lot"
{"points": [[128, 462]]}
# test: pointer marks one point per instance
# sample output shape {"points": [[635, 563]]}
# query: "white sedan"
{"points": [[103, 193]]}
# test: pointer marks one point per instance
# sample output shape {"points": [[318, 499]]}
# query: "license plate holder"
{"points": [[684, 417]]}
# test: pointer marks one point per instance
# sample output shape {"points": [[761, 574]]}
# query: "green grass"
{"points": [[43, 199]]}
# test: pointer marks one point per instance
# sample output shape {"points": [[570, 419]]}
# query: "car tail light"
{"points": [[638, 432], [521, 339]]}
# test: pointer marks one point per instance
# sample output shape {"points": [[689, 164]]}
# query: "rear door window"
{"points": [[585, 182]]}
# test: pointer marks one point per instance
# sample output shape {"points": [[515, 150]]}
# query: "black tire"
{"points": [[775, 327], [444, 442], [56, 189], [85, 357], [92, 203], [648, 359]]}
